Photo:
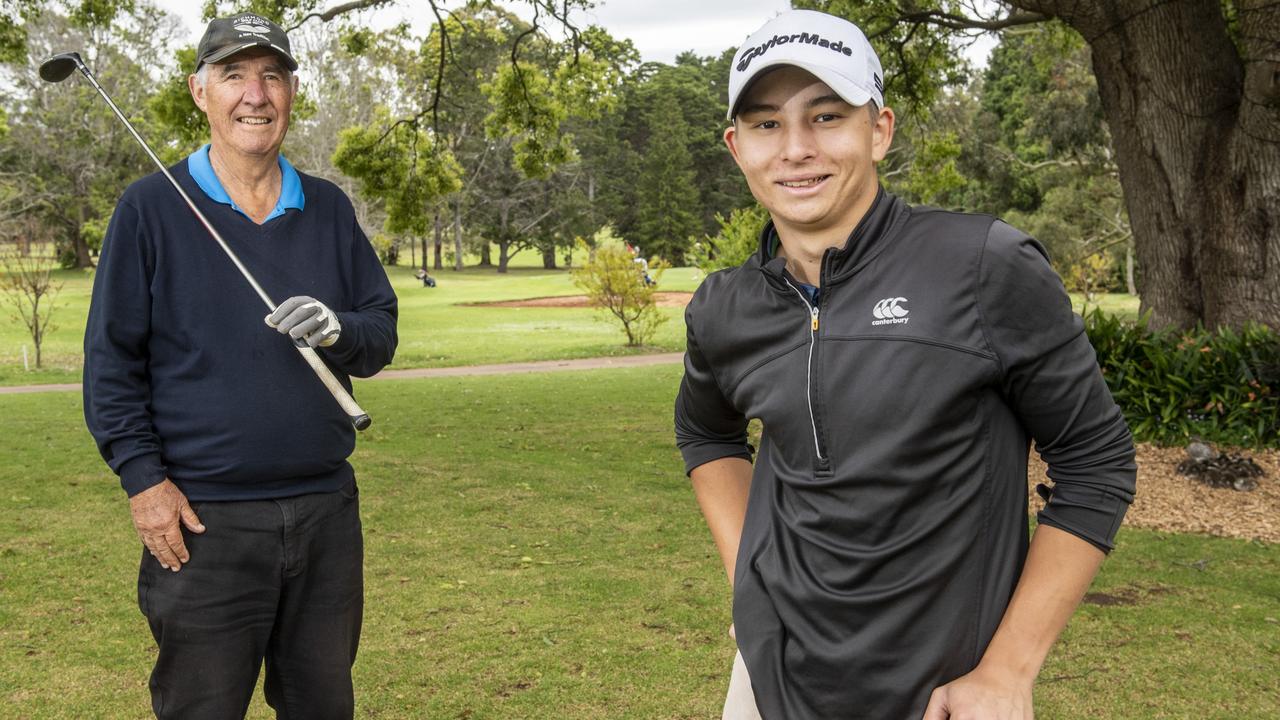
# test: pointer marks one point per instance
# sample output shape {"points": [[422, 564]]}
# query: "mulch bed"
{"points": [[1169, 501]]}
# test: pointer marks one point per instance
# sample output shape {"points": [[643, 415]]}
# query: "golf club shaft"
{"points": [[359, 418]]}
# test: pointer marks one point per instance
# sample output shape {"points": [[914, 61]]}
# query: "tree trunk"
{"points": [[457, 235], [504, 242], [486, 260], [1128, 268], [549, 257], [413, 261], [1196, 130], [83, 259], [437, 264]]}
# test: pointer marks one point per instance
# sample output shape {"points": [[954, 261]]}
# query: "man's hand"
{"points": [[305, 317], [156, 515], [983, 694]]}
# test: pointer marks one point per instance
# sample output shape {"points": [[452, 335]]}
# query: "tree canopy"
{"points": [[1137, 138]]}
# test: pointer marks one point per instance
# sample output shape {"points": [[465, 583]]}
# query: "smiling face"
{"points": [[808, 156], [247, 99]]}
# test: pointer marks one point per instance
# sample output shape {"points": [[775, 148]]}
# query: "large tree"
{"points": [[65, 144], [1191, 94]]}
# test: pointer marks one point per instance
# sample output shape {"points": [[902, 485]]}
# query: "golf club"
{"points": [[59, 68]]}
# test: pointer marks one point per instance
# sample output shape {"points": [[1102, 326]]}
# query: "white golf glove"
{"points": [[305, 317]]}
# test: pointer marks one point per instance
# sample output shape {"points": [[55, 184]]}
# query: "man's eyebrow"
{"points": [[826, 99], [757, 108], [238, 66]]}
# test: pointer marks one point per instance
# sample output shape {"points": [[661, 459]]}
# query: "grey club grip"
{"points": [[359, 418]]}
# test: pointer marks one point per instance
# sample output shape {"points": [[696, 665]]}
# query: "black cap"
{"points": [[227, 36]]}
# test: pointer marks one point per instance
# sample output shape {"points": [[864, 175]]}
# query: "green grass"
{"points": [[437, 326], [533, 551]]}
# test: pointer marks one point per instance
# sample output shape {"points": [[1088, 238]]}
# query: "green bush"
{"points": [[1220, 386], [739, 236]]}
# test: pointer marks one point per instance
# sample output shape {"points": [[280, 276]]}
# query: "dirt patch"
{"points": [[1108, 599], [662, 299], [1127, 595], [1176, 503]]}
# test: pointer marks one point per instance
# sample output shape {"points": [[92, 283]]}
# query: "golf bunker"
{"points": [[661, 299]]}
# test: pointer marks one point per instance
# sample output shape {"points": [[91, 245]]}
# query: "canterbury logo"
{"points": [[890, 312]]}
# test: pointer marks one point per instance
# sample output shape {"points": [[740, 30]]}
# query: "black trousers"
{"points": [[280, 581]]}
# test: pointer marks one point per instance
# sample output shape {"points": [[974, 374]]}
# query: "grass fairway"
{"points": [[437, 327], [533, 551]]}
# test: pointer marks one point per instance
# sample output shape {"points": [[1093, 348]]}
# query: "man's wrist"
{"points": [[1013, 667], [141, 473]]}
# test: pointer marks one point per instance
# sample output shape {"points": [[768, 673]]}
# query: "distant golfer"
{"points": [[233, 455], [901, 359]]}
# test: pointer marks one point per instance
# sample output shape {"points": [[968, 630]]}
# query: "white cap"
{"points": [[833, 49]]}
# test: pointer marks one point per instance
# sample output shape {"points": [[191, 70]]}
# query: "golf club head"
{"points": [[58, 67]]}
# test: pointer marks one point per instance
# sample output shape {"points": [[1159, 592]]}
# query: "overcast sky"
{"points": [[660, 29]]}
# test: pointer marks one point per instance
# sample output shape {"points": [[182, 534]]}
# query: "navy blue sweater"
{"points": [[182, 377]]}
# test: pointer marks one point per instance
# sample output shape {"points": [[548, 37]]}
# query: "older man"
{"points": [[233, 456], [900, 359]]}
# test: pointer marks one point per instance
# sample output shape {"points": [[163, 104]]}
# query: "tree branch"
{"points": [[952, 21], [444, 53], [337, 10], [963, 22]]}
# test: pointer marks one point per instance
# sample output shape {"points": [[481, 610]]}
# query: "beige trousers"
{"points": [[740, 703]]}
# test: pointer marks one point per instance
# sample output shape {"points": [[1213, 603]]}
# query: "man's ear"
{"points": [[882, 134], [731, 140], [197, 92]]}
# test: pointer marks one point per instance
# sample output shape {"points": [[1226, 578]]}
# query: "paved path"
{"points": [[595, 363]]}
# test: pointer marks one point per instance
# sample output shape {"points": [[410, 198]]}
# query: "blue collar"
{"points": [[812, 291], [290, 185]]}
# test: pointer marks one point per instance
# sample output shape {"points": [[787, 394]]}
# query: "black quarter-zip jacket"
{"points": [[887, 523]]}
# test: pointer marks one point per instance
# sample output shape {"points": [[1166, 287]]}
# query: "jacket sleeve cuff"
{"points": [[141, 473], [1092, 516], [346, 342], [703, 453]]}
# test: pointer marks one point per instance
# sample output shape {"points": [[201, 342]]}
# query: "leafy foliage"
{"points": [[13, 34], [177, 113], [78, 168], [615, 282], [665, 134], [401, 165], [738, 238], [1221, 387], [918, 59], [524, 103], [666, 219]]}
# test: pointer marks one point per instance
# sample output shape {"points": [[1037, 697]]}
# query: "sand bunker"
{"points": [[663, 299]]}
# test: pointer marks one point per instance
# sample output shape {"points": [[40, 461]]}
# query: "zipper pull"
{"points": [[814, 313]]}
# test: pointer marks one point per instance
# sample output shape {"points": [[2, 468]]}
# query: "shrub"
{"points": [[615, 282], [739, 236], [1220, 386]]}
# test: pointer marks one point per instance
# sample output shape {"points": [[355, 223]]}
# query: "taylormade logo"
{"points": [[890, 312], [804, 37]]}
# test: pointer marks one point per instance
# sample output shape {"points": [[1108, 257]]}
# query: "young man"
{"points": [[900, 360], [213, 421]]}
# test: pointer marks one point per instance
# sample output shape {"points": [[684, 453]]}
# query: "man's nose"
{"points": [[798, 142], [255, 91]]}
